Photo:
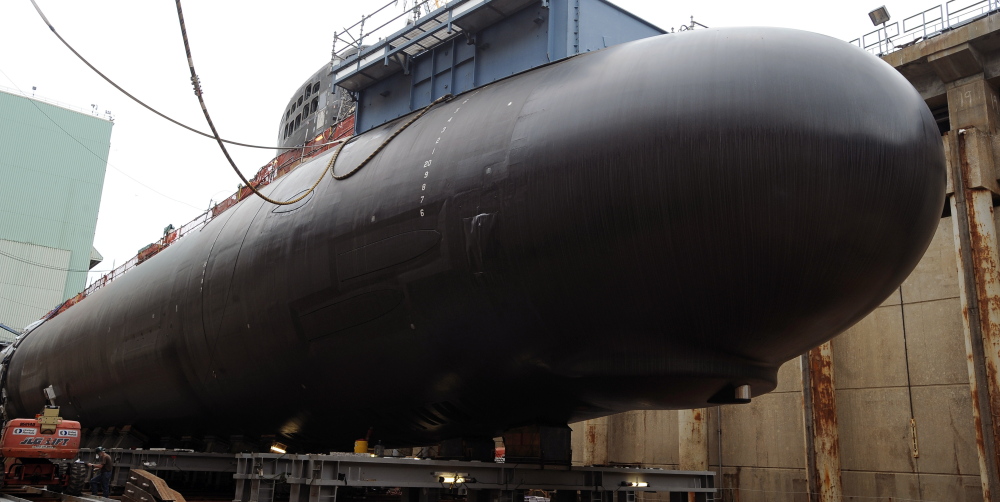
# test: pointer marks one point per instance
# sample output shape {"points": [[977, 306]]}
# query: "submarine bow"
{"points": [[641, 227]]}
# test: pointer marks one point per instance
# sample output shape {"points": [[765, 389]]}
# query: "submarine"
{"points": [[653, 225]]}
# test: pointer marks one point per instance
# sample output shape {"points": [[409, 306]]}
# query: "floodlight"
{"points": [[879, 16]]}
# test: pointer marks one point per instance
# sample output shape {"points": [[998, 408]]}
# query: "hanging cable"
{"points": [[137, 100], [42, 265], [19, 303], [333, 160], [87, 148], [329, 167]]}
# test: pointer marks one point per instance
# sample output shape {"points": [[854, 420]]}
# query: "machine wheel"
{"points": [[77, 477]]}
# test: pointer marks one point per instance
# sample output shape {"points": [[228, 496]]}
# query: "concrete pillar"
{"points": [[822, 435], [972, 102], [692, 439]]}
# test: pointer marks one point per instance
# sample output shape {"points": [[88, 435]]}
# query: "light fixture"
{"points": [[277, 447], [879, 16], [639, 484], [452, 478], [50, 394]]}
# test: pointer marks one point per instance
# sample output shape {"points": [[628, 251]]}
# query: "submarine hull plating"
{"points": [[641, 227]]}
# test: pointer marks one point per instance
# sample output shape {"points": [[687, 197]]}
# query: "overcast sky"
{"points": [[250, 56]]}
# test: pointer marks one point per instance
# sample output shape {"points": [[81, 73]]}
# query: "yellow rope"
{"points": [[333, 160]]}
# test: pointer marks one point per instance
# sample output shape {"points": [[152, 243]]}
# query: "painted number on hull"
{"points": [[428, 162]]}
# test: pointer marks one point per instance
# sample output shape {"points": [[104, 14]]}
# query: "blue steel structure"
{"points": [[468, 43]]}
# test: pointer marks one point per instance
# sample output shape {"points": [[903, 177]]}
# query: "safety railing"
{"points": [[386, 48], [278, 167], [93, 112], [380, 24], [880, 40], [924, 25]]}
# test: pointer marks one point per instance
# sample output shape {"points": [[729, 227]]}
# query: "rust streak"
{"points": [[978, 421], [825, 436], [981, 313], [986, 278]]}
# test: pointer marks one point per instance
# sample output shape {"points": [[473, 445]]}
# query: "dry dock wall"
{"points": [[911, 405], [904, 361]]}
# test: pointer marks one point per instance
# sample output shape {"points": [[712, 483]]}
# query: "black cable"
{"points": [[19, 303], [61, 269], [215, 133], [137, 100], [329, 167]]}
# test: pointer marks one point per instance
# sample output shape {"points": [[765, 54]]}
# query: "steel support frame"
{"points": [[318, 477], [822, 434], [975, 238], [163, 460], [46, 494]]}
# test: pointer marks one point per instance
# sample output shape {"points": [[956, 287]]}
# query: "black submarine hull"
{"points": [[642, 227]]}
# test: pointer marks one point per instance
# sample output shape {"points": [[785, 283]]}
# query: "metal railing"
{"points": [[924, 25], [380, 24], [385, 48], [60, 104], [279, 166]]}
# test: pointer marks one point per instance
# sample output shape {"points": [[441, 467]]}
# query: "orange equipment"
{"points": [[29, 446]]}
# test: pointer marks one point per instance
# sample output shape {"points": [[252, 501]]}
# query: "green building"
{"points": [[52, 166]]}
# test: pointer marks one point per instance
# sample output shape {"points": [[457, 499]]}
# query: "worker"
{"points": [[103, 477]]}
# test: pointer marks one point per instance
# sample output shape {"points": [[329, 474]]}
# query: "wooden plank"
{"points": [[135, 494], [154, 486]]}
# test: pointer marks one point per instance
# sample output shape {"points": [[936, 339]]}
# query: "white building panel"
{"points": [[32, 279]]}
